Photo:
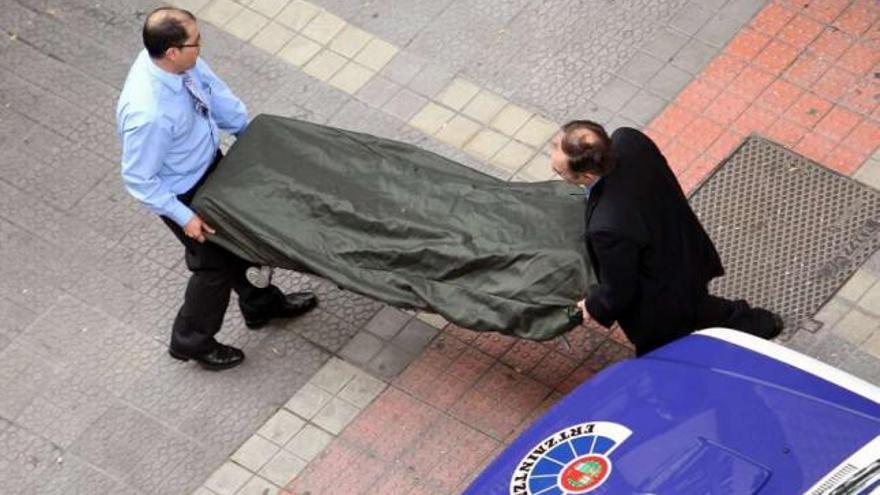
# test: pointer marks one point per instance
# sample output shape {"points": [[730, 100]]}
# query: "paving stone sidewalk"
{"points": [[90, 402]]}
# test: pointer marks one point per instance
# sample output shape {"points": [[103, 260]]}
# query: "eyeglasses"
{"points": [[196, 45]]}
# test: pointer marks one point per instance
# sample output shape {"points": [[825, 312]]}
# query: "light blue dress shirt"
{"points": [[166, 145]]}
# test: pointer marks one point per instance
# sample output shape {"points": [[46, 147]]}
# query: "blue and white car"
{"points": [[717, 412]]}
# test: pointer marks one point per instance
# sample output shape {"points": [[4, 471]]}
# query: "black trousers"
{"points": [[707, 311], [215, 273]]}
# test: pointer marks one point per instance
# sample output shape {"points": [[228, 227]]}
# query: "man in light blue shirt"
{"points": [[169, 117]]}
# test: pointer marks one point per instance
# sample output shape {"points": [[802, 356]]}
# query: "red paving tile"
{"points": [[786, 132], [776, 56], [801, 30], [448, 452], [814, 146], [553, 369], [341, 468], [697, 95], [725, 108], [807, 69], [722, 70], [808, 110], [754, 119], [702, 132], [747, 44], [861, 97], [824, 11], [844, 160], [674, 119], [391, 425], [772, 18], [859, 58], [837, 123], [864, 138], [750, 83], [494, 344], [831, 44], [835, 83], [525, 355], [857, 18], [779, 96]]}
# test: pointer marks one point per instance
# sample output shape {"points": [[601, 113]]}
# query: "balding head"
{"points": [[587, 147], [164, 28]]}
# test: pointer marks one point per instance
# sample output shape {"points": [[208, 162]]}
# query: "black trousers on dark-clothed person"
{"points": [[215, 273], [707, 311]]}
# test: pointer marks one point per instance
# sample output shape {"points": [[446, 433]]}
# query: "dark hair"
{"points": [[165, 32], [587, 155]]}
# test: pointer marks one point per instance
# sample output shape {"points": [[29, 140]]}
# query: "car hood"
{"points": [[701, 415]]}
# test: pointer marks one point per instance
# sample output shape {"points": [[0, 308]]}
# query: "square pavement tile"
{"points": [[269, 8], [486, 143], [361, 348], [298, 14], [431, 118], [510, 119], [309, 442], [333, 376], [254, 453], [403, 68], [513, 156], [281, 427], [537, 131], [259, 486], [390, 361], [414, 336], [430, 80], [362, 389], [538, 169], [352, 77], [324, 65], [219, 12], [350, 41], [246, 24], [299, 50], [457, 131], [272, 37], [336, 415], [393, 424], [484, 106], [228, 479], [323, 27], [282, 468], [308, 400], [377, 54], [388, 322], [458, 93]]}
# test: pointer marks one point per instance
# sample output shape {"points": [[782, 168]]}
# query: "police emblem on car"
{"points": [[572, 461]]}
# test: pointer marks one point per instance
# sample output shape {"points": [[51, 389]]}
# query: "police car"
{"points": [[717, 412]]}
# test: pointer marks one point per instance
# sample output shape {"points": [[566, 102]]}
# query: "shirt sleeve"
{"points": [[618, 260], [228, 111], [145, 139]]}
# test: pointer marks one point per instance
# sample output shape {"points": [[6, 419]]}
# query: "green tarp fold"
{"points": [[402, 225]]}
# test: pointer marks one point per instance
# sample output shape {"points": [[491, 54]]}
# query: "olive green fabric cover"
{"points": [[402, 225]]}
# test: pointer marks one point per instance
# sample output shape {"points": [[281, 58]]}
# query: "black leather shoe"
{"points": [[220, 358], [293, 304]]}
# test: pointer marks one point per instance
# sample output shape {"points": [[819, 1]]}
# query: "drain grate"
{"points": [[790, 232]]}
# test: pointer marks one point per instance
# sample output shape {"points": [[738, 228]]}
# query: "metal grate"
{"points": [[790, 232]]}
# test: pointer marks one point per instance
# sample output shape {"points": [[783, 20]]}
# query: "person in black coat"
{"points": [[653, 259]]}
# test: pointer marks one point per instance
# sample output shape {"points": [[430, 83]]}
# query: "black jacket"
{"points": [[652, 257]]}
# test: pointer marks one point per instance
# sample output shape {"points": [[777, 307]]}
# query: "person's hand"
{"points": [[582, 305], [196, 229]]}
